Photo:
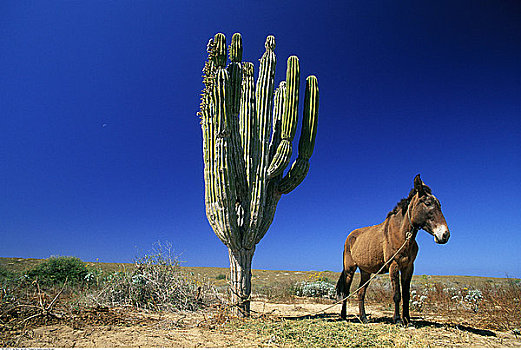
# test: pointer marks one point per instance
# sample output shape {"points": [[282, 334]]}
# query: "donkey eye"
{"points": [[428, 203]]}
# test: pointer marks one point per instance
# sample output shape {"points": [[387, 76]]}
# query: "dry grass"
{"points": [[319, 333], [502, 306]]}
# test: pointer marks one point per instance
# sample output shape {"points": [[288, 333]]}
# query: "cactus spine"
{"points": [[248, 129]]}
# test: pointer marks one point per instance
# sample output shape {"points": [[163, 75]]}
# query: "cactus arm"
{"points": [[207, 126], [235, 80], [296, 174], [220, 52], [289, 119], [260, 148], [220, 172], [273, 196], [278, 108], [235, 72], [300, 167], [247, 118], [310, 120], [236, 48], [270, 207], [224, 172]]}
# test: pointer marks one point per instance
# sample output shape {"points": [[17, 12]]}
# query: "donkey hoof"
{"points": [[364, 320]]}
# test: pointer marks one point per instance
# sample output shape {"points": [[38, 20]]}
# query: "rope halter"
{"points": [[408, 234]]}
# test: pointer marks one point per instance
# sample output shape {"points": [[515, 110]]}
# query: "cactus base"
{"points": [[240, 280]]}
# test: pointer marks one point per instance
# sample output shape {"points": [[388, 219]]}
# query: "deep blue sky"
{"points": [[101, 149]]}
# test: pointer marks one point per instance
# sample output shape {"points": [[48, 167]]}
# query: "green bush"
{"points": [[221, 277], [56, 270], [6, 275]]}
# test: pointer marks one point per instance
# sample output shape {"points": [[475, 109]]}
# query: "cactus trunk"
{"points": [[240, 280], [248, 129]]}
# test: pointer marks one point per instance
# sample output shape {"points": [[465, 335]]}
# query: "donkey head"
{"points": [[426, 212]]}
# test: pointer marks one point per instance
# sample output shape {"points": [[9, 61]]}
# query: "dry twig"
{"points": [[44, 310]]}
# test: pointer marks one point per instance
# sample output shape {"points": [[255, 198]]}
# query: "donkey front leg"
{"points": [[406, 276], [394, 273], [364, 277]]}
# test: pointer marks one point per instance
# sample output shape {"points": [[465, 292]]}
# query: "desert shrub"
{"points": [[58, 269], [315, 289], [7, 276], [221, 276], [156, 283], [8, 281], [501, 305]]}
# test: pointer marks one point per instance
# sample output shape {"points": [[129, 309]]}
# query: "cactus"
{"points": [[248, 131]]}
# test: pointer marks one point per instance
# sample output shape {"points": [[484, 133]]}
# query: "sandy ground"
{"points": [[118, 328]]}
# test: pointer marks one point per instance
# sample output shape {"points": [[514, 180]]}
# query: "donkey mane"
{"points": [[404, 202]]}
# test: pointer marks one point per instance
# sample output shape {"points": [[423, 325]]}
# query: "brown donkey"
{"points": [[369, 248]]}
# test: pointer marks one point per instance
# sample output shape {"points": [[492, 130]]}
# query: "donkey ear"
{"points": [[418, 185]]}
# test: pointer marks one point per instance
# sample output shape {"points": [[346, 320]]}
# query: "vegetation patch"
{"points": [[155, 283], [320, 333], [65, 288], [58, 269], [316, 289], [34, 292]]}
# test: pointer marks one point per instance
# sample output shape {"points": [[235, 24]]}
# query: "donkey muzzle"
{"points": [[441, 234]]}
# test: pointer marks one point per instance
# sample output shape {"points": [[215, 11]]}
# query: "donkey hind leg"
{"points": [[406, 276], [364, 277], [343, 287], [394, 274], [344, 282]]}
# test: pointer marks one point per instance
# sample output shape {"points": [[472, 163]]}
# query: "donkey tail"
{"points": [[341, 287]]}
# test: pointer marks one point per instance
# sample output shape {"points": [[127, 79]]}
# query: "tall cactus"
{"points": [[248, 131]]}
